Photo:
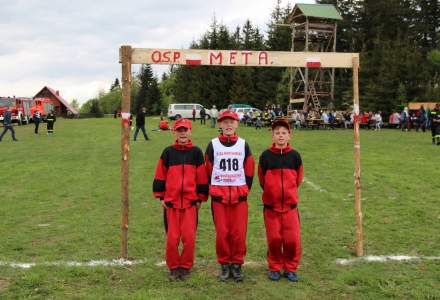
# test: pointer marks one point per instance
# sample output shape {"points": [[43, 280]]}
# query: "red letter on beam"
{"points": [[245, 54], [232, 57], [176, 56], [156, 56], [218, 56], [166, 57], [262, 57]]}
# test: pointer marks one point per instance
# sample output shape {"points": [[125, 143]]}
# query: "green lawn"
{"points": [[61, 202]]}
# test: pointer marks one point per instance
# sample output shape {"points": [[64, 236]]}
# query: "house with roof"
{"points": [[61, 106]]}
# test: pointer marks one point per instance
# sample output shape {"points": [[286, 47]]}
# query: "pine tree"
{"points": [[148, 95]]}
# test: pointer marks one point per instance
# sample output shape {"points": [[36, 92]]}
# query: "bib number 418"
{"points": [[229, 164]]}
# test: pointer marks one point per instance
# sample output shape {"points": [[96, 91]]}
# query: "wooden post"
{"points": [[357, 160], [306, 71], [332, 92], [125, 60]]}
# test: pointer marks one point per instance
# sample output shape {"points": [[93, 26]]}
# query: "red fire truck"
{"points": [[20, 108], [43, 105], [23, 108]]}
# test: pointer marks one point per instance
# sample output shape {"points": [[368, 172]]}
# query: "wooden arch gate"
{"points": [[234, 58]]}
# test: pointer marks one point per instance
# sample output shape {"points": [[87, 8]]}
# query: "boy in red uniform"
{"points": [[280, 173], [181, 185], [163, 124], [230, 168]]}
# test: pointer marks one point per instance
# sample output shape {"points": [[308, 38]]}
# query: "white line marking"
{"points": [[92, 263], [161, 264], [383, 258], [314, 186]]}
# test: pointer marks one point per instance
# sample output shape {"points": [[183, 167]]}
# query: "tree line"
{"points": [[398, 42]]}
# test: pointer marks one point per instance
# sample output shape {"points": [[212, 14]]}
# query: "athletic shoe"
{"points": [[291, 276], [225, 272], [184, 273], [274, 275], [237, 273], [174, 275]]}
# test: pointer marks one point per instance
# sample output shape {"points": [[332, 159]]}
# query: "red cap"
{"points": [[228, 114], [182, 123], [281, 122]]}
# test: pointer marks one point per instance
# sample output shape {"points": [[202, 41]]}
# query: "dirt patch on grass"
{"points": [[4, 283]]}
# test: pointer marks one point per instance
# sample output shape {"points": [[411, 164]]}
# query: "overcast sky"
{"points": [[72, 45]]}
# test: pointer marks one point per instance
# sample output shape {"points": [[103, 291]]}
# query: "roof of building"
{"points": [[59, 98], [323, 11]]}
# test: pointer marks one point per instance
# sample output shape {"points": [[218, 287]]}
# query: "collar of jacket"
{"points": [[228, 139], [286, 149], [187, 146]]}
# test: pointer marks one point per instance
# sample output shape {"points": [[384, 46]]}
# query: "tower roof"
{"points": [[320, 11]]}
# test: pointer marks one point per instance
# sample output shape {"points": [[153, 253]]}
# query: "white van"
{"points": [[184, 110]]}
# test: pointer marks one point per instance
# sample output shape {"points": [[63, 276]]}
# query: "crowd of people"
{"points": [[421, 119], [258, 119], [406, 120]]}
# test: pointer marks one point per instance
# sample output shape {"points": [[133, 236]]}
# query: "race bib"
{"points": [[228, 169]]}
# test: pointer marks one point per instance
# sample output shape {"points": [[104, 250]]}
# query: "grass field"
{"points": [[61, 202]]}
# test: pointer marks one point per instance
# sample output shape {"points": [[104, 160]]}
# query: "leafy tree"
{"points": [[75, 104]]}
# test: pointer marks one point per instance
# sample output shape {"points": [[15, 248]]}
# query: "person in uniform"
{"points": [[50, 122], [181, 184], [36, 118], [435, 124], [280, 173], [230, 168]]}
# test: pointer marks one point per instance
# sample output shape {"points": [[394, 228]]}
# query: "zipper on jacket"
{"points": [[282, 181], [183, 177]]}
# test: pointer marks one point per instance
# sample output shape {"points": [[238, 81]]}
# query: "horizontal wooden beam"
{"points": [[244, 58], [316, 26]]}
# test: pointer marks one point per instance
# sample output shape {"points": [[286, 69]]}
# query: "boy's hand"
{"points": [[162, 202], [199, 203]]}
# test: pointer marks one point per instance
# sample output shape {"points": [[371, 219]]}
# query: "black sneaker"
{"points": [[174, 275], [291, 276], [225, 272], [274, 275], [184, 273], [237, 273]]}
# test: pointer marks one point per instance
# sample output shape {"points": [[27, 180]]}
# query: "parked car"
{"points": [[234, 106], [184, 110], [242, 110]]}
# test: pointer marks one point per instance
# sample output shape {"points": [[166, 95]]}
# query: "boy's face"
{"points": [[280, 136], [228, 126], [182, 135]]}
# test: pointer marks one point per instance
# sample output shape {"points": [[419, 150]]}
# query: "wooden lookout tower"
{"points": [[313, 29]]}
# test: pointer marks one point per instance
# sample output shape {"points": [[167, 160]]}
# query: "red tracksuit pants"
{"points": [[283, 239], [230, 226], [180, 225]]}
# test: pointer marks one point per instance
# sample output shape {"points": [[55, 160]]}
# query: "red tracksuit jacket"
{"points": [[280, 172], [180, 178], [230, 194]]}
